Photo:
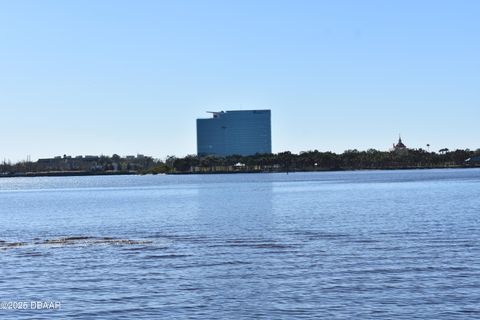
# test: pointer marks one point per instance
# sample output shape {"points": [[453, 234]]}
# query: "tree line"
{"points": [[319, 161], [275, 162]]}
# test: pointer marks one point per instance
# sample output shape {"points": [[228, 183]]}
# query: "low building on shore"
{"points": [[473, 161], [94, 163]]}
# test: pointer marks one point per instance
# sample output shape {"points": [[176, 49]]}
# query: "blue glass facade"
{"points": [[244, 132]]}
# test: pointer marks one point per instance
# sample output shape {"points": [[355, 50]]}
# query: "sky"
{"points": [[128, 77]]}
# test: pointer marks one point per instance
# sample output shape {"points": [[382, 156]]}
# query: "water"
{"points": [[361, 245]]}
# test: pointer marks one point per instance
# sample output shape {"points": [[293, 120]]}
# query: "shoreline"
{"points": [[123, 173], [65, 174]]}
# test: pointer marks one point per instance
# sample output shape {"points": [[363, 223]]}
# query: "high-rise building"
{"points": [[243, 132]]}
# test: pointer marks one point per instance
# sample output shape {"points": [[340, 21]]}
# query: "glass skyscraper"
{"points": [[244, 132]]}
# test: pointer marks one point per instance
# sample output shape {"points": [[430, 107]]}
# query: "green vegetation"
{"points": [[322, 161], [158, 168]]}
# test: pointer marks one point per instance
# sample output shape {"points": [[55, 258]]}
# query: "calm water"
{"points": [[360, 245]]}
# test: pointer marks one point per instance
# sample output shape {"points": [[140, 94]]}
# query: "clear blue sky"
{"points": [[127, 77]]}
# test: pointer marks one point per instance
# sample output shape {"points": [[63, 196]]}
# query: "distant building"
{"points": [[399, 146], [94, 163], [244, 132], [473, 160]]}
